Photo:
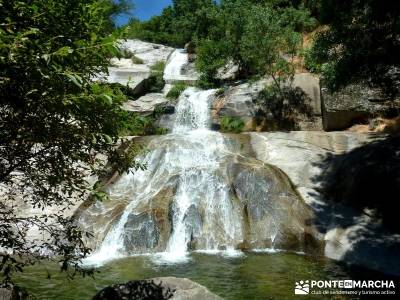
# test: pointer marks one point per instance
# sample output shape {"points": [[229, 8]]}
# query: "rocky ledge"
{"points": [[161, 288]]}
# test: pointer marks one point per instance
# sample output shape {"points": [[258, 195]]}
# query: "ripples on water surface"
{"points": [[249, 276]]}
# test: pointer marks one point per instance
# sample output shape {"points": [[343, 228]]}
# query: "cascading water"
{"points": [[194, 155], [173, 69], [198, 192]]}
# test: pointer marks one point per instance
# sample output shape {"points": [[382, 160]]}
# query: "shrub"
{"points": [[232, 124], [156, 80], [176, 91]]}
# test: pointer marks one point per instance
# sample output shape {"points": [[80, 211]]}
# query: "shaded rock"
{"points": [[146, 104], [190, 48], [275, 215], [149, 230], [351, 235], [302, 110], [194, 221], [355, 103], [229, 72], [132, 290], [161, 288]]}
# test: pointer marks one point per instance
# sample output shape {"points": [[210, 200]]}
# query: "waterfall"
{"points": [[198, 192], [195, 153], [173, 69]]}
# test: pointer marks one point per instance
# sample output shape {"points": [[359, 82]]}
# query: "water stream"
{"points": [[197, 161]]}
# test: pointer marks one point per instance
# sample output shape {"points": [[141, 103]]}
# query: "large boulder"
{"points": [[242, 101], [274, 215], [160, 288], [149, 53], [146, 104], [339, 174], [135, 71], [355, 103]]}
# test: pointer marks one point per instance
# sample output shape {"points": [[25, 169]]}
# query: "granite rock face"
{"points": [[149, 53], [242, 101], [146, 104], [128, 71], [352, 234], [355, 103]]}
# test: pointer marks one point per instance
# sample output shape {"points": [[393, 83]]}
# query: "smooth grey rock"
{"points": [[274, 213], [149, 53], [355, 103], [124, 71], [229, 72], [352, 236], [146, 104], [135, 77], [240, 101], [185, 289], [141, 233]]}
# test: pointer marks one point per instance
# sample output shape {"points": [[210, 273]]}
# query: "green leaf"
{"points": [[75, 79], [107, 138], [108, 99], [64, 51]]}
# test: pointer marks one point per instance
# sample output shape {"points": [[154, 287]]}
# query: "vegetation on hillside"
{"points": [[361, 42], [357, 40]]}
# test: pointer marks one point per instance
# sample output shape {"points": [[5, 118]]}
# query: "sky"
{"points": [[144, 10]]}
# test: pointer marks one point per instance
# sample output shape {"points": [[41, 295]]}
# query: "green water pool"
{"points": [[251, 276]]}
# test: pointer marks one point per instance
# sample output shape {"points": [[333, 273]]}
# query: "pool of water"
{"points": [[250, 276]]}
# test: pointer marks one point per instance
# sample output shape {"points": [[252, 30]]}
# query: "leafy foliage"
{"points": [[176, 91], [232, 124], [284, 107], [55, 124], [361, 42], [261, 37], [156, 80], [184, 21]]}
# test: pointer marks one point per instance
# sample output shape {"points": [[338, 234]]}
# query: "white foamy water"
{"points": [[173, 69], [194, 153]]}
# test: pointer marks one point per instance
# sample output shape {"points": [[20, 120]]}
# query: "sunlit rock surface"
{"points": [[128, 72], [146, 104], [199, 192]]}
